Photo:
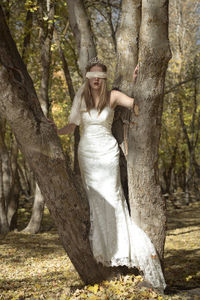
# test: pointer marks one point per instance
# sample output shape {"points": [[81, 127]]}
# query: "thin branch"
{"points": [[180, 83]]}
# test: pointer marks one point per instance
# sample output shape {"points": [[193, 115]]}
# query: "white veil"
{"points": [[78, 103]]}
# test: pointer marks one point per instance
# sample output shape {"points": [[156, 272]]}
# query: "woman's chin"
{"points": [[96, 87]]}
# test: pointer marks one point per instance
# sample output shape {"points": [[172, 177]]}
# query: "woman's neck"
{"points": [[95, 96]]}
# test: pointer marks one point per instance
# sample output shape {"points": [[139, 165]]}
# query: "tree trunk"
{"points": [[127, 45], [27, 183], [27, 35], [41, 148], [147, 204], [6, 167], [127, 55], [9, 174], [81, 29], [4, 228], [46, 38], [37, 213], [46, 35], [13, 200], [168, 171], [72, 94]]}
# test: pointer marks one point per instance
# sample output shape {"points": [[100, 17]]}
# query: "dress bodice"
{"points": [[95, 123], [96, 135]]}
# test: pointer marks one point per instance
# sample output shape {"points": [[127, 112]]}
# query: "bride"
{"points": [[115, 239]]}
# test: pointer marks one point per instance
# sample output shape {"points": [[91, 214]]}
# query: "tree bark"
{"points": [[81, 29], [27, 35], [127, 38], [26, 179], [12, 204], [72, 94], [46, 35], [41, 148], [147, 204], [4, 228], [10, 187], [127, 55], [6, 167], [37, 212]]}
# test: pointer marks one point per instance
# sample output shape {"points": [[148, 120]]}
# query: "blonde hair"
{"points": [[104, 94]]}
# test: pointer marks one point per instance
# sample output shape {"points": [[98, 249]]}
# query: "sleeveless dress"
{"points": [[115, 239]]}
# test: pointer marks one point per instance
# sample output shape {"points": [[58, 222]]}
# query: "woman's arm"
{"points": [[68, 129], [119, 98]]}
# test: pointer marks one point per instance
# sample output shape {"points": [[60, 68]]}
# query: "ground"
{"points": [[37, 267]]}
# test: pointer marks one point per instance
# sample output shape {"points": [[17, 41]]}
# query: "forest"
{"points": [[44, 215]]}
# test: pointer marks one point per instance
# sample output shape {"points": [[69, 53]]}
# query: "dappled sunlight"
{"points": [[182, 251]]}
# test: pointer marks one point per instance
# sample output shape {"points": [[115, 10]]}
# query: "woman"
{"points": [[115, 239]]}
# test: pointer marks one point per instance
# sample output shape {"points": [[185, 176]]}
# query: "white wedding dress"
{"points": [[115, 239]]}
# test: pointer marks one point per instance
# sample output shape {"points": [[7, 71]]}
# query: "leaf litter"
{"points": [[37, 267]]}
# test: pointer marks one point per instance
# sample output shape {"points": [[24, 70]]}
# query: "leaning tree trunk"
{"points": [[41, 148], [46, 38], [147, 204]]}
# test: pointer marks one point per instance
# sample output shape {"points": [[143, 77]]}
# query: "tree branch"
{"points": [[180, 83]]}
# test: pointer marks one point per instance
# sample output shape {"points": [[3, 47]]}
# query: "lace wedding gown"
{"points": [[115, 239]]}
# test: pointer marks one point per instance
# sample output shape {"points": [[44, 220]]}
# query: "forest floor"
{"points": [[37, 267]]}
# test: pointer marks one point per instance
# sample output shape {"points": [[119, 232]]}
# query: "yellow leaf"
{"points": [[188, 278], [83, 296], [93, 297], [93, 289]]}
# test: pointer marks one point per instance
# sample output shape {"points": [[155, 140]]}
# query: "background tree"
{"points": [[42, 150], [45, 19], [181, 106]]}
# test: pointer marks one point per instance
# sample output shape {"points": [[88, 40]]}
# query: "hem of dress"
{"points": [[130, 264]]}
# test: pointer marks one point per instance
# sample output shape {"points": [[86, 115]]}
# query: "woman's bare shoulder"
{"points": [[113, 97]]}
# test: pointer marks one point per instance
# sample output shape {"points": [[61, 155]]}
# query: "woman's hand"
{"points": [[52, 123], [68, 129], [135, 73]]}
